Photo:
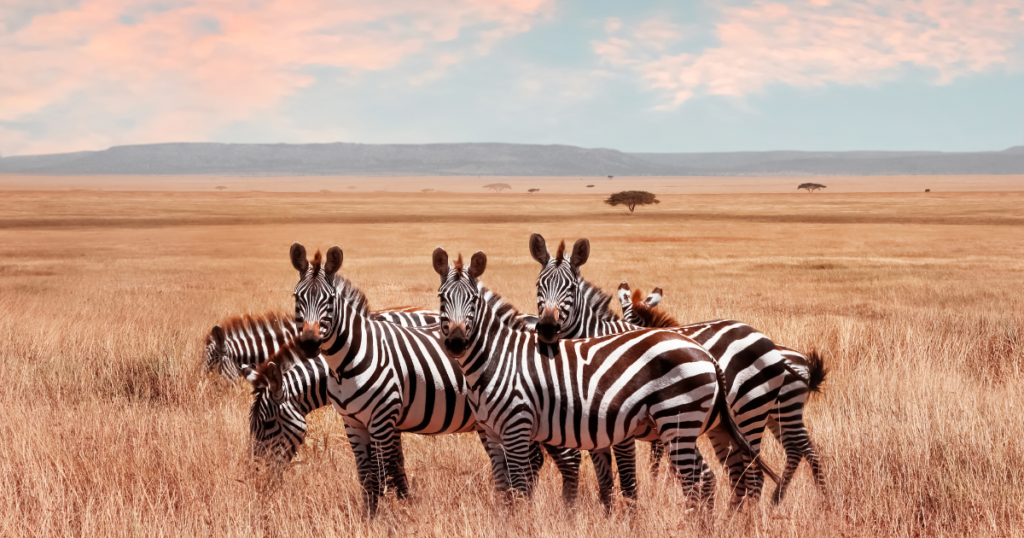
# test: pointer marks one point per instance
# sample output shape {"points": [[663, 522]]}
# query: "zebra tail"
{"points": [[817, 370], [734, 430]]}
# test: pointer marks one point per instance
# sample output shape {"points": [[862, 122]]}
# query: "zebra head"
{"points": [[315, 305], [216, 354], [275, 429], [558, 286], [460, 300]]}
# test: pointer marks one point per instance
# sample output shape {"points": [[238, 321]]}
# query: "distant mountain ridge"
{"points": [[495, 159]]}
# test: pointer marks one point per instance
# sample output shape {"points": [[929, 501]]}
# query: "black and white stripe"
{"points": [[570, 307], [595, 393], [390, 379], [786, 418], [245, 342]]}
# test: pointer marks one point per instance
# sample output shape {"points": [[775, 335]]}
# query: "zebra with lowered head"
{"points": [[595, 393], [786, 418]]}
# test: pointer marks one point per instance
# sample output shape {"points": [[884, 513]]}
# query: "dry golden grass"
{"points": [[111, 428]]}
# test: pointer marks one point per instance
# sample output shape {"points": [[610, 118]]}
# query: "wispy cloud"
{"points": [[179, 70], [815, 42]]}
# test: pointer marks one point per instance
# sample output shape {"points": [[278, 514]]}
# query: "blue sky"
{"points": [[638, 76]]}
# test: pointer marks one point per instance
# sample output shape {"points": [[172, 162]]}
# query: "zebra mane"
{"points": [[654, 318], [351, 295], [236, 324], [503, 310], [599, 302]]}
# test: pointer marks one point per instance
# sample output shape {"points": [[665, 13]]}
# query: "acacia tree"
{"points": [[220, 187], [531, 191], [498, 187], [811, 187], [427, 190], [631, 199]]}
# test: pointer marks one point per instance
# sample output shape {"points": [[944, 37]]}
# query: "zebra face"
{"points": [[216, 352], [269, 419], [558, 286], [315, 296], [460, 300]]}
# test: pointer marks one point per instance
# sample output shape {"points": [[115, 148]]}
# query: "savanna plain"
{"points": [[111, 427]]}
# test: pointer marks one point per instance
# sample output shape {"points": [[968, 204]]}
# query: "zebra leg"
{"points": [[657, 452], [568, 462], [536, 462], [386, 442], [602, 459], [683, 454], [731, 459], [399, 480], [708, 482], [362, 448], [516, 449], [625, 462], [499, 470]]}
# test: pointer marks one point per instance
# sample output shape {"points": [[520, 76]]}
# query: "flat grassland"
{"points": [[110, 426]]}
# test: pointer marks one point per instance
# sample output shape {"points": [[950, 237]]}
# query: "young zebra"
{"points": [[593, 394], [247, 341], [390, 379], [571, 307], [786, 419]]}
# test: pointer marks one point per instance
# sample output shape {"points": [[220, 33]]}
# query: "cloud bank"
{"points": [[815, 42]]}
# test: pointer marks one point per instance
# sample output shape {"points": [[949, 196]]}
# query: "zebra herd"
{"points": [[575, 377]]}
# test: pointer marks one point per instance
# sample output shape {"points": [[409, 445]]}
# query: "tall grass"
{"points": [[111, 428]]}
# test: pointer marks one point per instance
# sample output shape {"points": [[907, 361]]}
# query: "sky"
{"points": [[642, 76]]}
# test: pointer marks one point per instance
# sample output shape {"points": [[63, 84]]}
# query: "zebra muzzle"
{"points": [[547, 326], [456, 342]]}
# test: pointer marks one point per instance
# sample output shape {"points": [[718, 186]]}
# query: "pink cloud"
{"points": [[813, 43], [186, 72]]}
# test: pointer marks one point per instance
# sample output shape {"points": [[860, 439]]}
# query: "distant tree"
{"points": [[609, 177], [927, 190], [498, 187], [351, 187], [220, 187], [531, 191], [631, 199], [590, 186], [427, 190], [811, 187], [325, 191]]}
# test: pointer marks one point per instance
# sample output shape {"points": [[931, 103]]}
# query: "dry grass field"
{"points": [[111, 428]]}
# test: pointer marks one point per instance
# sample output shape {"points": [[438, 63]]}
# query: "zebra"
{"points": [[570, 307], [593, 394], [245, 342], [389, 378], [786, 421]]}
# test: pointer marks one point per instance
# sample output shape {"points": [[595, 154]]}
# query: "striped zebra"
{"points": [[389, 378], [595, 393], [786, 419], [245, 342], [570, 307]]}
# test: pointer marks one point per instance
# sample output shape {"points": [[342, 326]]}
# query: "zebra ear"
{"points": [[623, 293], [654, 298], [334, 258], [219, 337], [477, 264], [441, 263], [580, 252], [298, 255], [539, 249]]}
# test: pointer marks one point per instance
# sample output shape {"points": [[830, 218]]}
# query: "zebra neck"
{"points": [[255, 342], [349, 346], [593, 315], [501, 334]]}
